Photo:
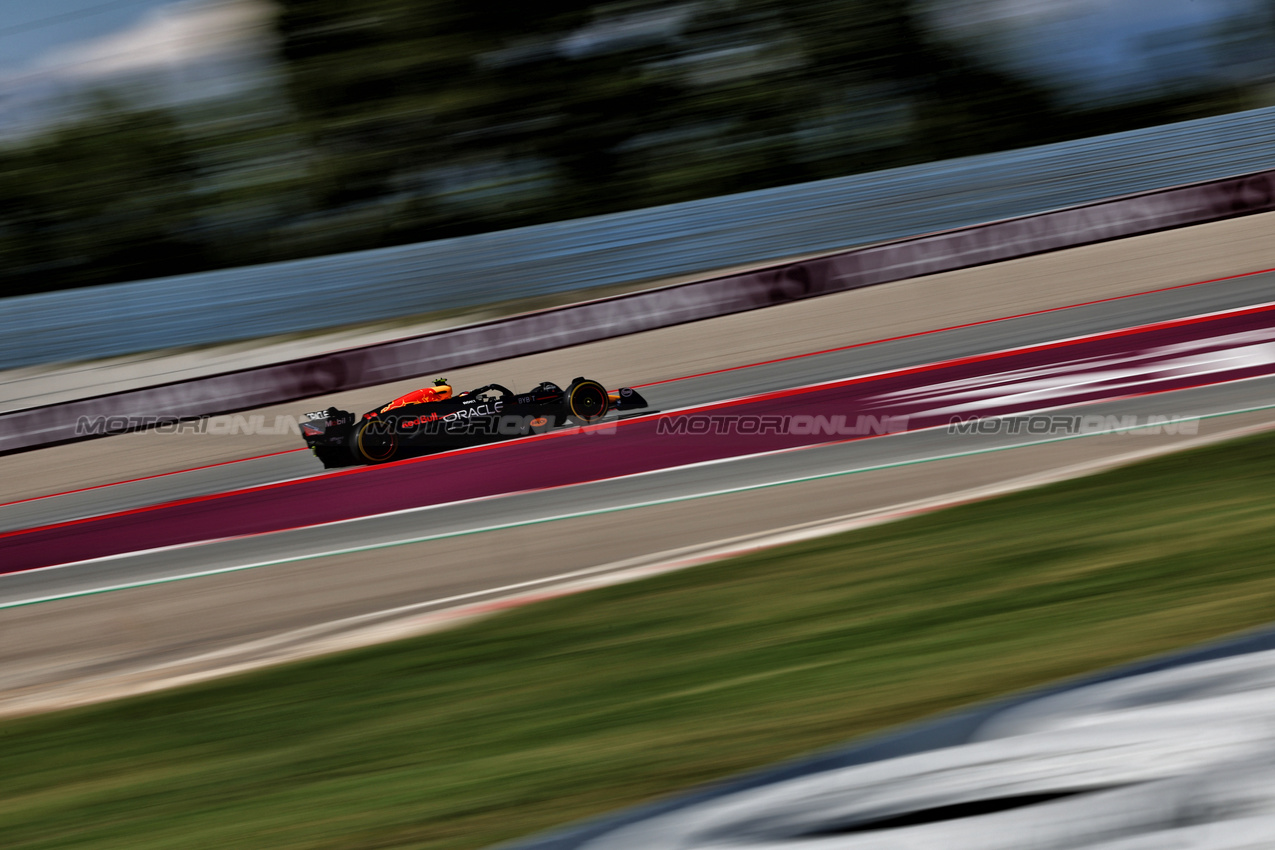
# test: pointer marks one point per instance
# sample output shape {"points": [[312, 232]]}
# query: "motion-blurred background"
{"points": [[142, 138]]}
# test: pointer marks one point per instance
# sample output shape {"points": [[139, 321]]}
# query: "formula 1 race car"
{"points": [[433, 420]]}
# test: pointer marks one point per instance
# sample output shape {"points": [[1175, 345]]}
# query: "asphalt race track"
{"points": [[1104, 272], [701, 390], [440, 519], [615, 497], [1217, 348]]}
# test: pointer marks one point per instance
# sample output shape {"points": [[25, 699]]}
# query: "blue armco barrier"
{"points": [[646, 244]]}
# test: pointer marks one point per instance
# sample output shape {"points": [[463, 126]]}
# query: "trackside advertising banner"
{"points": [[627, 314]]}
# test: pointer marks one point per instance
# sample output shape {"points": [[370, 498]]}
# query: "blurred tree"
{"points": [[107, 199], [631, 104], [408, 120]]}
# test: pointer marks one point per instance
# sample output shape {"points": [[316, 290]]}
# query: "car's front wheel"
{"points": [[587, 401]]}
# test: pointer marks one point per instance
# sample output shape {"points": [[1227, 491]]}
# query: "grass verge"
{"points": [[580, 705]]}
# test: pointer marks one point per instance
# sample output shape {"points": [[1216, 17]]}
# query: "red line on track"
{"points": [[952, 328], [689, 377], [208, 497], [976, 358], [743, 400], [536, 465], [150, 477], [525, 491]]}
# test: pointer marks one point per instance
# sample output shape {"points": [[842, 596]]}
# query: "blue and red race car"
{"points": [[433, 419]]}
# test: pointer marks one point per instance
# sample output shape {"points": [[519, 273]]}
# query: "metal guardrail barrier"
{"points": [[647, 244]]}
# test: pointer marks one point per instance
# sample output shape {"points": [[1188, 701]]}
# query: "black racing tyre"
{"points": [[587, 401], [374, 441]]}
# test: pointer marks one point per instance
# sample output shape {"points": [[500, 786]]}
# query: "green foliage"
{"points": [[115, 191], [721, 95]]}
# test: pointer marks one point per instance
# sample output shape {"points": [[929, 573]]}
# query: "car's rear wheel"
{"points": [[374, 442], [587, 401]]}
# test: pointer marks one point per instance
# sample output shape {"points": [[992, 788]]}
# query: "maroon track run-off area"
{"points": [[1155, 358]]}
